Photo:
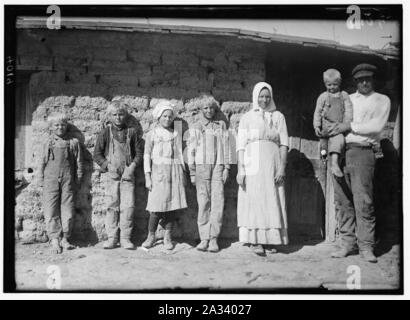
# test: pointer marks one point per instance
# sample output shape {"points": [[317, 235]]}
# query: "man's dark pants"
{"points": [[354, 199]]}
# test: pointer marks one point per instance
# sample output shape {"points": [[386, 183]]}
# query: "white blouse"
{"points": [[258, 125]]}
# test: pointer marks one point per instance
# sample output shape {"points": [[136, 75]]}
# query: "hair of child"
{"points": [[332, 75], [117, 105], [57, 117], [208, 100]]}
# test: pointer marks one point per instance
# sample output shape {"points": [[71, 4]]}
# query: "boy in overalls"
{"points": [[332, 106], [208, 160], [118, 151], [60, 172]]}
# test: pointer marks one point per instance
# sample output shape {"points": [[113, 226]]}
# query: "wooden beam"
{"points": [[330, 219], [118, 24]]}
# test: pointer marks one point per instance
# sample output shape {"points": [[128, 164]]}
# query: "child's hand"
{"points": [[225, 175], [340, 127], [318, 132], [193, 181], [148, 182]]}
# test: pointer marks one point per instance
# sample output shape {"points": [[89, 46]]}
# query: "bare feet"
{"points": [[55, 246], [67, 245], [334, 166]]}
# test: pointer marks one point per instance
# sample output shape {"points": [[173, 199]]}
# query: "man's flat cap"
{"points": [[364, 70]]}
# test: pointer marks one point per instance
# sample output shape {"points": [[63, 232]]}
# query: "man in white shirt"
{"points": [[354, 192]]}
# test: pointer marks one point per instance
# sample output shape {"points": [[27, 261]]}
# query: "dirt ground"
{"points": [[235, 267]]}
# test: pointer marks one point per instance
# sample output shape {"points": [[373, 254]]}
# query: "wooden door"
{"points": [[305, 190]]}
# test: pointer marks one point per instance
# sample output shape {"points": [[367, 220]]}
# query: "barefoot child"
{"points": [[332, 106], [208, 160], [164, 174], [60, 172], [119, 151]]}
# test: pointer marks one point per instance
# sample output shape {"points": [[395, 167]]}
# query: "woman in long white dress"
{"points": [[262, 148]]}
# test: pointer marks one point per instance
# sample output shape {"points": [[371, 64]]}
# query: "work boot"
{"points": [[110, 243], [203, 245], [55, 246], [369, 256], [168, 244], [127, 244], [66, 244], [342, 253], [213, 245], [150, 241]]}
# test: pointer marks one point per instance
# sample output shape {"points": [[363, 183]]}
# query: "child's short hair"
{"points": [[117, 105], [208, 100], [332, 74], [57, 117]]}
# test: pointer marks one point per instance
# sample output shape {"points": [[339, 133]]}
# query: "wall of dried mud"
{"points": [[79, 72]]}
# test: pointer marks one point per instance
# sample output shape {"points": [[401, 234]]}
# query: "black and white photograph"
{"points": [[203, 149]]}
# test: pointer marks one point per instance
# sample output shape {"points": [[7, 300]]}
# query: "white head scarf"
{"points": [[255, 95], [161, 107]]}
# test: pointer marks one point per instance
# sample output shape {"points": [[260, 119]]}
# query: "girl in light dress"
{"points": [[164, 174]]}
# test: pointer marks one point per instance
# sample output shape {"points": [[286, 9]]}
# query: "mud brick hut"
{"points": [[89, 62]]}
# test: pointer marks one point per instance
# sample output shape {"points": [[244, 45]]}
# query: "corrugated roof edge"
{"points": [[117, 25]]}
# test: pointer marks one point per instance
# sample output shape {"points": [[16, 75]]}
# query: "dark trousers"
{"points": [[354, 199]]}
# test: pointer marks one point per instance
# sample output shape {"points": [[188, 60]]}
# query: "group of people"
{"points": [[350, 124]]}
